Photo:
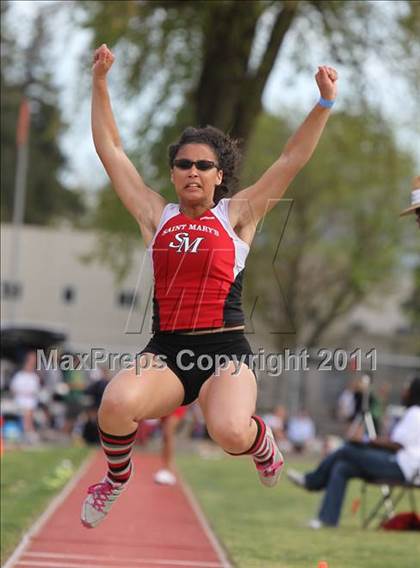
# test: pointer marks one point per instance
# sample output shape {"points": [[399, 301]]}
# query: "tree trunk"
{"points": [[228, 42], [223, 97], [250, 98]]}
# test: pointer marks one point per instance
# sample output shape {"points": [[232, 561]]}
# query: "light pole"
{"points": [[22, 136]]}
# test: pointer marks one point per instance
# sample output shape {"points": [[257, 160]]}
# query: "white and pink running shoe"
{"points": [[269, 473], [99, 501]]}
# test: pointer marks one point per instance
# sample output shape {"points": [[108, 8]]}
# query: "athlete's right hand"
{"points": [[102, 61]]}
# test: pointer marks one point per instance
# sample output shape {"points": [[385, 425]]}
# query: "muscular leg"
{"points": [[318, 478], [169, 426], [228, 403], [131, 397], [332, 502], [348, 462], [166, 475], [370, 462]]}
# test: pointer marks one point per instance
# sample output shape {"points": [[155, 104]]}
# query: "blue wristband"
{"points": [[326, 103]]}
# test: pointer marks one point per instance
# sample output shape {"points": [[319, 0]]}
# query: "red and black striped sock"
{"points": [[118, 455], [262, 450]]}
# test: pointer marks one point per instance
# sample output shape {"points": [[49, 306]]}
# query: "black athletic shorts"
{"points": [[195, 358]]}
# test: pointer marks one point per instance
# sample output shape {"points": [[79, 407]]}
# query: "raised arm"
{"points": [[250, 204], [142, 202]]}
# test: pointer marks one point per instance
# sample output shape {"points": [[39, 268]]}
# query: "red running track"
{"points": [[150, 526]]}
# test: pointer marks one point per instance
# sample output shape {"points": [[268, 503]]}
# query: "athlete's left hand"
{"points": [[326, 79]]}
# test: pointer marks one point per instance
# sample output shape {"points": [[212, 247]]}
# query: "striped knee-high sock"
{"points": [[118, 455], [262, 450]]}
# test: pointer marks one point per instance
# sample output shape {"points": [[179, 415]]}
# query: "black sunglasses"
{"points": [[202, 165]]}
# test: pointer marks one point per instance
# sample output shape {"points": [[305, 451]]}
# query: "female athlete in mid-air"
{"points": [[198, 247]]}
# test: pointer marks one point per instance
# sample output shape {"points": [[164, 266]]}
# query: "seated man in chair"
{"points": [[395, 459]]}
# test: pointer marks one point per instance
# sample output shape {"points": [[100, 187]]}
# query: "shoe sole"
{"points": [[86, 524]]}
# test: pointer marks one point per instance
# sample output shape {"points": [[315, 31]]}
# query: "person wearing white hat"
{"points": [[415, 200]]}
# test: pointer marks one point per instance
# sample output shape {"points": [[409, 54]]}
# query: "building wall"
{"points": [[50, 261]]}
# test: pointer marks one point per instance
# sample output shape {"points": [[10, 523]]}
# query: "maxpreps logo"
{"points": [[183, 244]]}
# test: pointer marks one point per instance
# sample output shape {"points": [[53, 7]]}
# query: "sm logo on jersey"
{"points": [[183, 243]]}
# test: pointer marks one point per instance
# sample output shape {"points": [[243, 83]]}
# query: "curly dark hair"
{"points": [[413, 394], [225, 148]]}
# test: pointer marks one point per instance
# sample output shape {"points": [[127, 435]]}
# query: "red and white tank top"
{"points": [[198, 267]]}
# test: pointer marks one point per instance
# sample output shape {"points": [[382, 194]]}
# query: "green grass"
{"points": [[265, 528], [29, 479], [260, 528]]}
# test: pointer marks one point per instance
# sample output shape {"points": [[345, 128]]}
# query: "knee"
{"points": [[350, 452], [342, 469], [232, 436], [116, 401]]}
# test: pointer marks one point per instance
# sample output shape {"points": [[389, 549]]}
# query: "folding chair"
{"points": [[391, 494]]}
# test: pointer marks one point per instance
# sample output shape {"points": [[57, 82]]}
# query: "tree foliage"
{"points": [[118, 234], [324, 252], [204, 63], [209, 62], [25, 74]]}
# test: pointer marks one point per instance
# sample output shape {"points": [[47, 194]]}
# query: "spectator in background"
{"points": [[300, 430], [198, 427], [346, 404], [365, 401], [394, 458], [76, 380], [277, 422], [25, 386], [169, 424], [98, 381], [51, 425], [95, 390], [415, 200]]}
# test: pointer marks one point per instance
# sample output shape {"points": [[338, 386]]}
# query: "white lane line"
{"points": [[15, 562], [113, 559], [204, 524], [43, 564], [147, 563], [54, 504]]}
